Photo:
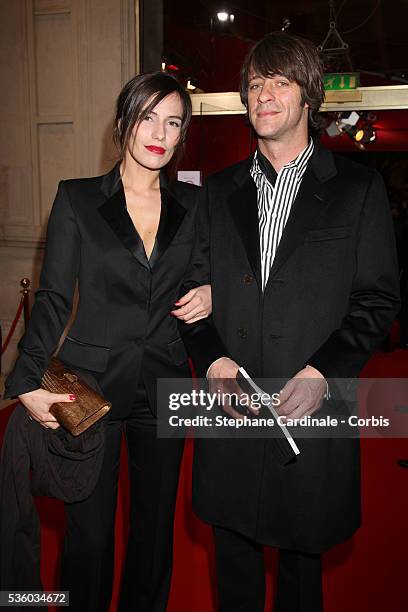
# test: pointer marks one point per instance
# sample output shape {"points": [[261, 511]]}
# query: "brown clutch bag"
{"points": [[89, 406]]}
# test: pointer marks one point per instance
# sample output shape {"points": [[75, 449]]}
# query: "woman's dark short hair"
{"points": [[138, 98], [295, 58]]}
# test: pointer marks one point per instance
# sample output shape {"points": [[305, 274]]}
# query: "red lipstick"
{"points": [[156, 150]]}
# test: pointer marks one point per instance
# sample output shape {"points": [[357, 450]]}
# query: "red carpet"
{"points": [[367, 574]]}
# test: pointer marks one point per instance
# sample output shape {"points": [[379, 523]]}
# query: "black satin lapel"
{"points": [[308, 204], [243, 207], [171, 217], [111, 181], [117, 217]]}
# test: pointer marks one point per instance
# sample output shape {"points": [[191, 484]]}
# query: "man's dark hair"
{"points": [[295, 58], [138, 98]]}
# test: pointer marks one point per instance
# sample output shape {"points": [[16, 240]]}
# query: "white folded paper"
{"points": [[271, 409]]}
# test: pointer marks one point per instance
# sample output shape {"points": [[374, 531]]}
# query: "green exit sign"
{"points": [[341, 81]]}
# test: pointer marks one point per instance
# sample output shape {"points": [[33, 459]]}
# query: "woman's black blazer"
{"points": [[123, 320]]}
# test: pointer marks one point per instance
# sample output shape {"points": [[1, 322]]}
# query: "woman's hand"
{"points": [[38, 403], [194, 305]]}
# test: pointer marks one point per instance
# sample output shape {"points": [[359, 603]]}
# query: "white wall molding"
{"points": [[371, 98]]}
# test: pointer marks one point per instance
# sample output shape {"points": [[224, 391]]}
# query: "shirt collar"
{"points": [[261, 165], [265, 166]]}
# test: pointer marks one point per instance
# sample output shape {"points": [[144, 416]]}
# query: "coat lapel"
{"points": [[309, 203], [114, 212], [117, 217], [243, 208], [171, 217]]}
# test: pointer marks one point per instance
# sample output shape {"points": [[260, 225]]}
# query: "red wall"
{"points": [[216, 142]]}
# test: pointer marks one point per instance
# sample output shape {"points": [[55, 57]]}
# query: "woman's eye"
{"points": [[148, 118], [175, 124]]}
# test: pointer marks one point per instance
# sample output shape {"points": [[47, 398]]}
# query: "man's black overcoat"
{"points": [[331, 296]]}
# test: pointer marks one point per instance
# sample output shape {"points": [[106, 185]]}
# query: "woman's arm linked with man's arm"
{"points": [[200, 336]]}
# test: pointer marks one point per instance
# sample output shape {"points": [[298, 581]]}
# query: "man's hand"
{"points": [[223, 368], [222, 378], [303, 394], [196, 304], [38, 403]]}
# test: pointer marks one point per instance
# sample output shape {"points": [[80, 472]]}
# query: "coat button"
{"points": [[242, 332], [247, 278]]}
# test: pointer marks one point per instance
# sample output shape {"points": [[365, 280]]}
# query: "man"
{"points": [[305, 287]]}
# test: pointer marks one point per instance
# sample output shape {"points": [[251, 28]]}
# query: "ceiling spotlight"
{"points": [[165, 66], [346, 128], [350, 118], [356, 125], [333, 129], [359, 135], [372, 134], [224, 17], [347, 122], [365, 135], [285, 24]]}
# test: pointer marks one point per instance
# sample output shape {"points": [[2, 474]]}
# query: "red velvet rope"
{"points": [[13, 326]]}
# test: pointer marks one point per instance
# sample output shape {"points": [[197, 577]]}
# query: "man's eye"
{"points": [[255, 86], [283, 83]]}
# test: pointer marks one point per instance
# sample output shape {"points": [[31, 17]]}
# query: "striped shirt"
{"points": [[275, 202]]}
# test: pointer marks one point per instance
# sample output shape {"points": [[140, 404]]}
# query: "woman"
{"points": [[126, 239]]}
